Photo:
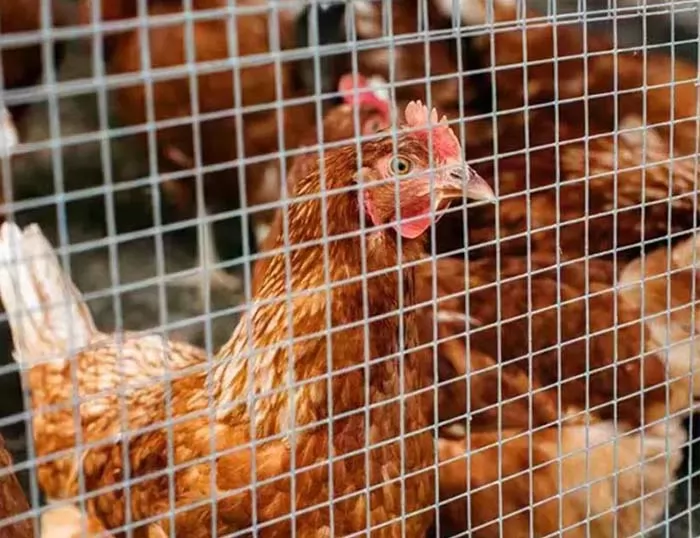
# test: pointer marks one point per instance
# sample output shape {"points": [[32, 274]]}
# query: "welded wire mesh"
{"points": [[213, 172]]}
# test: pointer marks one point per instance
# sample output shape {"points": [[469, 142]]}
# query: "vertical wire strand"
{"points": [[528, 253], [434, 291], [204, 242], [457, 25], [491, 19], [248, 350], [669, 227], [557, 242], [325, 238], [353, 38], [31, 452], [388, 16], [50, 76], [642, 235], [425, 31], [586, 246], [615, 229], [152, 144], [275, 49]]}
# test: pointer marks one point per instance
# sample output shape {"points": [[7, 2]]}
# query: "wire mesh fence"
{"points": [[252, 284]]}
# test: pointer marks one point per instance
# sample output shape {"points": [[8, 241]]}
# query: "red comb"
{"points": [[365, 95], [445, 143]]}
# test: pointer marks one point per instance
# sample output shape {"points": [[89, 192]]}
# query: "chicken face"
{"points": [[428, 177], [417, 172]]}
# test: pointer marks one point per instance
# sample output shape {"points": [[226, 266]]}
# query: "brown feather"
{"points": [[558, 191], [12, 500], [568, 352], [161, 403]]}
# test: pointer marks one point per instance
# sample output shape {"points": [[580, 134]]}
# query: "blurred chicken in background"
{"points": [[23, 65], [422, 62], [579, 478], [592, 155], [226, 135], [544, 345]]}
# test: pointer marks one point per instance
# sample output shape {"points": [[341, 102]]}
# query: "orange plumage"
{"points": [[545, 345], [173, 98], [211, 403], [584, 160], [12, 500], [338, 126]]}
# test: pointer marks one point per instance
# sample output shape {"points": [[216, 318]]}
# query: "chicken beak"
{"points": [[463, 180]]}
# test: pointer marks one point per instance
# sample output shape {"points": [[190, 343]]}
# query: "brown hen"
{"points": [[570, 343], [580, 478], [213, 108], [580, 198], [565, 329], [126, 404], [338, 126]]}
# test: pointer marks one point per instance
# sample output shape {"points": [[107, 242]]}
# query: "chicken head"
{"points": [[428, 154]]}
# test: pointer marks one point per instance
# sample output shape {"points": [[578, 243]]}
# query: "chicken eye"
{"points": [[400, 166]]}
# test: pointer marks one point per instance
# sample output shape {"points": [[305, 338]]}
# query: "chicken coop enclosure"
{"points": [[419, 268]]}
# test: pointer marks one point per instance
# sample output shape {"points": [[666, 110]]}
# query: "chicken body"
{"points": [[338, 126], [565, 328], [175, 98], [574, 479], [129, 413], [559, 346], [593, 149]]}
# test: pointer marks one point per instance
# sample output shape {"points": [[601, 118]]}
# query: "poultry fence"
{"points": [[420, 268]]}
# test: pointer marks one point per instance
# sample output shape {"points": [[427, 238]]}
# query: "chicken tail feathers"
{"points": [[47, 314]]}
